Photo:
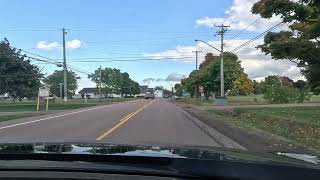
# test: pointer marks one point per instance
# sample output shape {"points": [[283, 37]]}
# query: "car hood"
{"points": [[203, 153]]}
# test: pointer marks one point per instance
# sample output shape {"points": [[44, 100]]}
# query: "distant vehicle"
{"points": [[149, 95], [166, 96]]}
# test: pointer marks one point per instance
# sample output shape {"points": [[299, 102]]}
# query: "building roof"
{"points": [[88, 90]]}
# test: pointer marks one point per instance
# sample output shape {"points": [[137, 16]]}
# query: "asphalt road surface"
{"points": [[143, 122]]}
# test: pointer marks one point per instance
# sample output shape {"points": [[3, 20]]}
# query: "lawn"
{"points": [[16, 116], [298, 124], [239, 100], [26, 105]]}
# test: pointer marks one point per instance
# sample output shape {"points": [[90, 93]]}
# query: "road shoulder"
{"points": [[252, 139]]}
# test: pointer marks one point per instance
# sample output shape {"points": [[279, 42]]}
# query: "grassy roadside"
{"points": [[15, 116], [5, 106], [238, 100], [298, 124]]}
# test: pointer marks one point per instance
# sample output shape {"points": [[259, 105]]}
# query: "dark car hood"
{"points": [[205, 153]]}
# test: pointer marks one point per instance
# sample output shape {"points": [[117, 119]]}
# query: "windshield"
{"points": [[235, 74]]}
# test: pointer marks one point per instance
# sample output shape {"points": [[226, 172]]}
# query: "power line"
{"points": [[131, 60], [256, 37], [244, 29], [131, 57]]}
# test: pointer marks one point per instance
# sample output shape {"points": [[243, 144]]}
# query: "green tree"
{"points": [[18, 77], [113, 81], [179, 89], [301, 44], [54, 80], [208, 76]]}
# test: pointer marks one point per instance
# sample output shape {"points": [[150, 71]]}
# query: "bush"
{"points": [[285, 94]]}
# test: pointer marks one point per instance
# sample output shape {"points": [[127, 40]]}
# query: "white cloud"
{"points": [[73, 44], [255, 63], [239, 16], [175, 77], [47, 46]]}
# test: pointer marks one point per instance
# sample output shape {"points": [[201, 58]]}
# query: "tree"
{"points": [[19, 78], [300, 84], [301, 44], [179, 89], [208, 76], [54, 80], [113, 81], [258, 87]]}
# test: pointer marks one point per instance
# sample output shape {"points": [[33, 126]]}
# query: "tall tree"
{"points": [[113, 81], [54, 80], [18, 77], [208, 76], [301, 44]]}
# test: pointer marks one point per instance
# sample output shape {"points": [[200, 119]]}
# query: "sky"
{"points": [[161, 33]]}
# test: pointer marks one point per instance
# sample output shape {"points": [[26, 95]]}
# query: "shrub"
{"points": [[285, 94]]}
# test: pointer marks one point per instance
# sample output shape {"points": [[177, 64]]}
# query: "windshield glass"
{"points": [[235, 74]]}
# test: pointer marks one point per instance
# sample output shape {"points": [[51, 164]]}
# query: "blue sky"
{"points": [[127, 29]]}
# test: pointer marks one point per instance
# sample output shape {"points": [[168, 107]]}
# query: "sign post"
{"points": [[201, 89], [43, 94], [38, 102]]}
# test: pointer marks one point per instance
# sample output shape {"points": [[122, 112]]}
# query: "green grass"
{"points": [[315, 99], [32, 107], [25, 105], [239, 100], [299, 124], [16, 116]]}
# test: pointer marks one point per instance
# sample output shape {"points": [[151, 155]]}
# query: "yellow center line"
{"points": [[122, 121], [126, 117]]}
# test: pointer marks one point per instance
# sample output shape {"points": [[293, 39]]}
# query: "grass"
{"points": [[26, 105], [16, 116], [299, 124], [239, 100]]}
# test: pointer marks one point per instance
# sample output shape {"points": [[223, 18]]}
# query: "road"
{"points": [[143, 122]]}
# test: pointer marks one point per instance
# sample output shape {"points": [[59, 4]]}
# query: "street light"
{"points": [[197, 40]]}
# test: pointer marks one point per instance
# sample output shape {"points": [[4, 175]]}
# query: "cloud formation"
{"points": [[239, 16], [173, 77], [73, 44], [255, 63]]}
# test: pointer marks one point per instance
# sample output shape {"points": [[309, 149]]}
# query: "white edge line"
{"points": [[52, 117]]}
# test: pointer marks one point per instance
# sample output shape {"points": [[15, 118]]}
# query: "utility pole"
{"points": [[221, 33], [64, 66], [100, 83], [196, 58]]}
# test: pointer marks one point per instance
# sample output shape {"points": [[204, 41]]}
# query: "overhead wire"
{"points": [[257, 37]]}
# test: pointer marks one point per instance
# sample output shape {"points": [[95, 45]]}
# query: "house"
{"points": [[158, 93], [143, 89], [90, 92], [93, 93]]}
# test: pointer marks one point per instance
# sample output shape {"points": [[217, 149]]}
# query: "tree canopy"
{"points": [[208, 76], [301, 43], [18, 77], [114, 81], [54, 80]]}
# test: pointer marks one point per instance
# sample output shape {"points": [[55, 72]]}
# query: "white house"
{"points": [[158, 93]]}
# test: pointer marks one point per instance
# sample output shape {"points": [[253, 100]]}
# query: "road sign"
{"points": [[43, 92], [201, 89]]}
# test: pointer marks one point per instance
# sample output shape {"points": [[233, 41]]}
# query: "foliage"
{"points": [[113, 81], [284, 94], [301, 44], [179, 89], [208, 76], [54, 80], [19, 78]]}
